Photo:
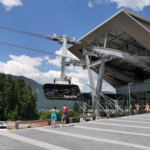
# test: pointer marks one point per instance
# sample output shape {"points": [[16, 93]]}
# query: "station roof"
{"points": [[127, 32]]}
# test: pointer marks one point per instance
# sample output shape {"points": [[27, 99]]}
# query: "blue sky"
{"points": [[74, 18]]}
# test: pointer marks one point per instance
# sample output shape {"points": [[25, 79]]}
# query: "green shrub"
{"points": [[71, 113], [44, 115], [59, 115]]}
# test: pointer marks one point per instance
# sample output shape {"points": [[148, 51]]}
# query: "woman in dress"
{"points": [[54, 112]]}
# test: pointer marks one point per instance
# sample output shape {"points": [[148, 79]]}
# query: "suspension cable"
{"points": [[23, 32], [101, 106], [109, 100], [31, 49], [104, 97], [29, 34]]}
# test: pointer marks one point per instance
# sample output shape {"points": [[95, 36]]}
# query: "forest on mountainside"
{"points": [[17, 102], [42, 103]]}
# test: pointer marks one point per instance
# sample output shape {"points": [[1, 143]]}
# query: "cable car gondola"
{"points": [[62, 91]]}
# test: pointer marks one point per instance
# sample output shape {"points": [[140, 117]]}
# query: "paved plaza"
{"points": [[125, 133]]}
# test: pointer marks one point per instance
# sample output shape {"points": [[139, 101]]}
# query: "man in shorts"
{"points": [[64, 115]]}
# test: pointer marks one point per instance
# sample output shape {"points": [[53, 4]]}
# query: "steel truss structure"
{"points": [[118, 50], [126, 52]]}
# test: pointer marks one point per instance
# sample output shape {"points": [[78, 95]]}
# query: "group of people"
{"points": [[137, 106], [54, 113]]}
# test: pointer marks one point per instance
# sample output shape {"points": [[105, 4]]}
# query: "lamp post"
{"points": [[129, 84]]}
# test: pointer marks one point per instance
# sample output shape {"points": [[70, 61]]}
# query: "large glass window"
{"points": [[142, 98], [134, 99], [148, 97]]}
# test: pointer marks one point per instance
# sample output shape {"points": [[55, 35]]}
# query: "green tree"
{"points": [[2, 95], [16, 100]]}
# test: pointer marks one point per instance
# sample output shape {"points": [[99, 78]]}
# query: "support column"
{"points": [[105, 42], [100, 81], [64, 54], [99, 87], [91, 81]]}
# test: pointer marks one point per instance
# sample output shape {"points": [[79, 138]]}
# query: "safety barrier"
{"points": [[78, 117], [31, 121]]}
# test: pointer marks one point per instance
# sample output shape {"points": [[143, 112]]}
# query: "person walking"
{"points": [[147, 108], [54, 112], [64, 115]]}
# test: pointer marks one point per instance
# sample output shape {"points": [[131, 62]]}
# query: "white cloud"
{"points": [[20, 65], [9, 4], [57, 60], [137, 5], [90, 4], [25, 60], [28, 66]]}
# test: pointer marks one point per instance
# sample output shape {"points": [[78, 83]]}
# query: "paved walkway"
{"points": [[126, 133]]}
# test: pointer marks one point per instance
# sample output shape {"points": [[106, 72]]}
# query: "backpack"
{"points": [[65, 110]]}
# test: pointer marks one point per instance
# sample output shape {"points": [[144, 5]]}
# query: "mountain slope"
{"points": [[42, 102]]}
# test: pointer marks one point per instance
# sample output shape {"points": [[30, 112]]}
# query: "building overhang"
{"points": [[127, 32]]}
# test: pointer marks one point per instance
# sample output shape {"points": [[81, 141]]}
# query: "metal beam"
{"points": [[139, 61], [105, 42], [125, 41], [95, 63], [131, 59], [117, 74], [99, 87], [81, 63], [116, 37], [91, 80], [61, 40], [98, 62]]}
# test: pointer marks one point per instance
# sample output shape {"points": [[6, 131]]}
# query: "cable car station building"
{"points": [[121, 46]]}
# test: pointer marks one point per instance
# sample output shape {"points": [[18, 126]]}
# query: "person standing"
{"points": [[147, 107], [137, 107], [64, 115], [54, 112]]}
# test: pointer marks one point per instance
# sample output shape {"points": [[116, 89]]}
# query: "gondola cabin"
{"points": [[62, 91]]}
